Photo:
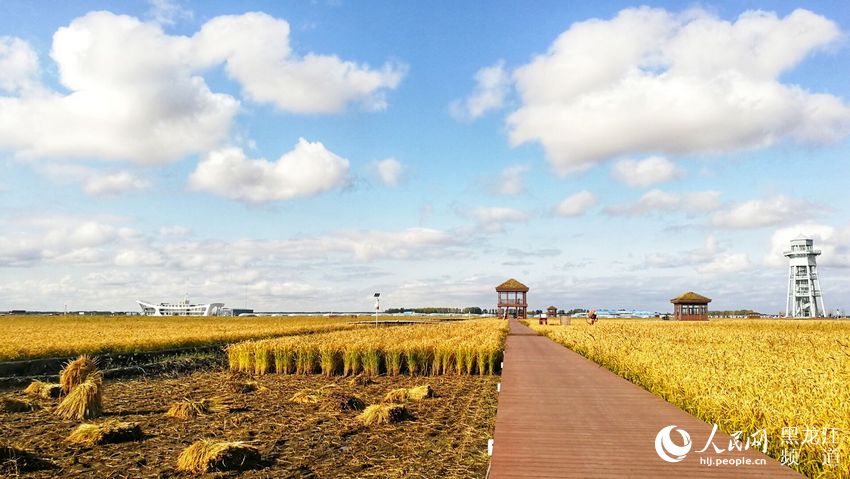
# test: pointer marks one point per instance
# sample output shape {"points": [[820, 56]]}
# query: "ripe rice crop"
{"points": [[38, 336], [462, 347], [743, 375]]}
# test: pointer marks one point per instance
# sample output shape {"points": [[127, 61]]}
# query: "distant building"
{"points": [[512, 302], [690, 307], [804, 298], [181, 308]]}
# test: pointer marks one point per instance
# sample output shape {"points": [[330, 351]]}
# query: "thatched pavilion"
{"points": [[690, 307], [512, 299]]}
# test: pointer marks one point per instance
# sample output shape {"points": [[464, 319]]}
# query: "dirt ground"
{"points": [[445, 438]]}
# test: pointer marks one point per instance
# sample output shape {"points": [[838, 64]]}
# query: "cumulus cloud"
{"points": [[510, 182], [74, 240], [726, 263], [114, 183], [497, 215], [18, 65], [646, 172], [492, 85], [711, 258], [256, 51], [657, 200], [168, 12], [833, 241], [576, 204], [132, 95], [651, 81], [96, 182], [759, 213], [494, 219], [136, 93], [307, 170], [390, 171]]}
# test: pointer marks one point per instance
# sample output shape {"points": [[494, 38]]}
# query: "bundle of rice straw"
{"points": [[396, 395], [415, 393], [340, 401], [10, 404], [420, 392], [85, 401], [209, 456], [76, 372], [383, 414], [106, 432], [44, 390], [189, 408]]}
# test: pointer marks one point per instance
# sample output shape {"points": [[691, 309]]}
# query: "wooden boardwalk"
{"points": [[561, 415]]}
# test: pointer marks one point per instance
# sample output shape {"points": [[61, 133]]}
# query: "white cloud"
{"points": [[511, 181], [646, 172], [256, 51], [96, 182], [576, 204], [492, 85], [758, 213], [114, 183], [833, 241], [18, 65], [657, 200], [136, 93], [726, 263], [494, 219], [174, 231], [132, 96], [497, 215], [167, 12], [307, 170], [390, 171], [139, 257], [650, 81], [701, 201], [712, 258]]}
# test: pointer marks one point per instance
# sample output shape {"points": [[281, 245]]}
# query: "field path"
{"points": [[561, 415]]}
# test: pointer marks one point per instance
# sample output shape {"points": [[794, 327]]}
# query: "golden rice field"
{"points": [[458, 347], [26, 337], [744, 375]]}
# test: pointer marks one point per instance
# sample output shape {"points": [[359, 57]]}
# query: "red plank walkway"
{"points": [[561, 415]]}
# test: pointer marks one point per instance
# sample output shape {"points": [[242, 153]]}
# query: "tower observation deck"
{"points": [[804, 294]]}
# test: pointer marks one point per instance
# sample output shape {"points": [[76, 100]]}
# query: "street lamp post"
{"points": [[377, 307]]}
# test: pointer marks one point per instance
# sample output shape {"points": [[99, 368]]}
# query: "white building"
{"points": [[804, 298], [181, 308]]}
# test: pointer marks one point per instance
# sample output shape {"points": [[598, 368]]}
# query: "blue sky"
{"points": [[310, 153]]}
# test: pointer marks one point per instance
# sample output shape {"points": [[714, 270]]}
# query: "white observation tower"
{"points": [[804, 295]]}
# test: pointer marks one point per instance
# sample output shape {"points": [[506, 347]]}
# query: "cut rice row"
{"points": [[467, 347]]}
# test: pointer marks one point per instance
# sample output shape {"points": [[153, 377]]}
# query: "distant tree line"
{"points": [[469, 310], [733, 312]]}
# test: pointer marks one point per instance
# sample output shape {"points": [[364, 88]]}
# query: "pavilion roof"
{"points": [[511, 285], [690, 297]]}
